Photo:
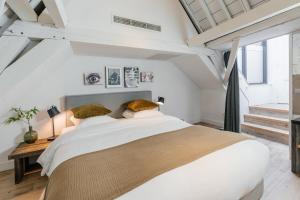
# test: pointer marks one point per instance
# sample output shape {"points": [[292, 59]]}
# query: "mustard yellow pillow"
{"points": [[140, 105], [89, 110]]}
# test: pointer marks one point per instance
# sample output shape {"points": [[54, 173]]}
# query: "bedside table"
{"points": [[25, 156]]}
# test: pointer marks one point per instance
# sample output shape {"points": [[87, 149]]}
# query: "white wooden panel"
{"points": [[245, 4], [57, 12], [256, 15], [207, 13], [45, 18], [220, 16], [205, 25], [225, 9], [23, 9], [214, 6], [235, 8], [10, 48]]}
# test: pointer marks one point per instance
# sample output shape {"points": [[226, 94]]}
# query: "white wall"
{"points": [[182, 95], [278, 65], [97, 15]]}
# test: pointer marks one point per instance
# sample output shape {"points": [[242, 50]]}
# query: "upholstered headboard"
{"points": [[113, 101]]}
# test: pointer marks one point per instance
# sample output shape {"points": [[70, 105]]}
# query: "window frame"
{"points": [[265, 64]]}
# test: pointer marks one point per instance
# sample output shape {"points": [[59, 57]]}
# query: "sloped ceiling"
{"points": [[234, 7]]}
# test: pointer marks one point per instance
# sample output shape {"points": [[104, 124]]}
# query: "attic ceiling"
{"points": [[209, 13]]}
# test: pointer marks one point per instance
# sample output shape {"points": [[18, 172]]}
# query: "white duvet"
{"points": [[226, 174]]}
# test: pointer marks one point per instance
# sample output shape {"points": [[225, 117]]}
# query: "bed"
{"points": [[228, 173]]}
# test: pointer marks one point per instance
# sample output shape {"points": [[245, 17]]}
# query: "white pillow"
{"points": [[142, 114], [75, 121], [95, 121]]}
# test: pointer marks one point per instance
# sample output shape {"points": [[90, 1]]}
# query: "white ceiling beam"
{"points": [[23, 10], [232, 58], [260, 13], [223, 42], [207, 13], [34, 31], [245, 4], [57, 12], [225, 9]]}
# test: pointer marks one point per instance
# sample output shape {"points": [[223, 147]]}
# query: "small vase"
{"points": [[30, 136]]}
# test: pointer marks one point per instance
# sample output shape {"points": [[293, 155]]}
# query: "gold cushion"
{"points": [[89, 110], [140, 105]]}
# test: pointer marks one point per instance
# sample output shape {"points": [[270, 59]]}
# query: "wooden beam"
{"points": [[260, 13], [225, 9], [57, 12], [207, 13], [232, 58], [245, 4], [34, 31], [222, 43], [11, 47], [45, 18], [23, 9]]}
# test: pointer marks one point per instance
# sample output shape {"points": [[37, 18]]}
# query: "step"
{"points": [[269, 111], [266, 132], [274, 122]]}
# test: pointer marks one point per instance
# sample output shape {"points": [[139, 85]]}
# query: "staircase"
{"points": [[268, 121]]}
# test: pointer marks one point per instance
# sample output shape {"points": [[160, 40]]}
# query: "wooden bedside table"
{"points": [[25, 156]]}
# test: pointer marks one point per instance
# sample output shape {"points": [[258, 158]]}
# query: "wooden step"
{"points": [[266, 132], [274, 122], [269, 111]]}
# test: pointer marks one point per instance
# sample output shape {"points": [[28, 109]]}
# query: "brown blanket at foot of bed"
{"points": [[110, 173]]}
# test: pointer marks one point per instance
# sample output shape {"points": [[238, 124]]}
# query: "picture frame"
{"points": [[131, 77], [147, 77], [113, 77], [93, 78]]}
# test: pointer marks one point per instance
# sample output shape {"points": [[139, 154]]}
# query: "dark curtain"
{"points": [[232, 106]]}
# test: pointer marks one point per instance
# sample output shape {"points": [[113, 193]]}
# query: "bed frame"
{"points": [[112, 101]]}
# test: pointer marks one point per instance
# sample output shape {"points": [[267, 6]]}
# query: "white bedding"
{"points": [[227, 174]]}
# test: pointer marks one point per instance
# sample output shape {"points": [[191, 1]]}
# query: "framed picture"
{"points": [[147, 77], [93, 78], [131, 77], [113, 77]]}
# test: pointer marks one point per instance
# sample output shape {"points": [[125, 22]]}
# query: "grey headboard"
{"points": [[113, 101]]}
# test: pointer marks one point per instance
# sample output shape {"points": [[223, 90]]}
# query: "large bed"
{"points": [[234, 172]]}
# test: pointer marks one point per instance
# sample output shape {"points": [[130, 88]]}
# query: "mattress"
{"points": [[229, 173]]}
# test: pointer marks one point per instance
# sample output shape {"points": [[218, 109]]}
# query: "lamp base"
{"points": [[51, 138]]}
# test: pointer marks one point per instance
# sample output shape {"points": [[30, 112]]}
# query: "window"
{"points": [[252, 62]]}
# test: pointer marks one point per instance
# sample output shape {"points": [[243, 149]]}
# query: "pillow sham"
{"points": [[95, 121], [128, 114], [140, 105], [89, 110]]}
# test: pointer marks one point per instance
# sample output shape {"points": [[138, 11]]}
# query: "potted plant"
{"points": [[26, 116]]}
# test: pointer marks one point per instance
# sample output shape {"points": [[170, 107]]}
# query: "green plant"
{"points": [[22, 115]]}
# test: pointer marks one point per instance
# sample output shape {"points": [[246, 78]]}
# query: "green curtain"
{"points": [[232, 106]]}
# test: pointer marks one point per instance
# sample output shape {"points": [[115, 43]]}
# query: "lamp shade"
{"points": [[53, 111], [161, 100]]}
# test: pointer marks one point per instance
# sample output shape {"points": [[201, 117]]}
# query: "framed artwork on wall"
{"points": [[92, 78], [131, 77], [147, 77], [114, 78]]}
